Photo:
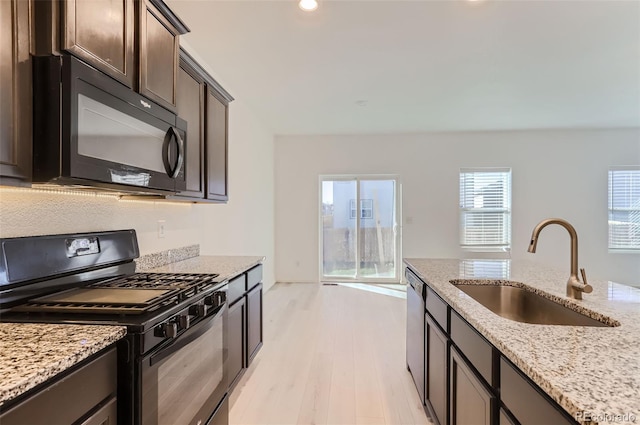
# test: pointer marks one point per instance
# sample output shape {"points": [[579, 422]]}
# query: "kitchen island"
{"points": [[593, 373]]}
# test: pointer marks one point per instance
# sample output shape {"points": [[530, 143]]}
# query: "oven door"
{"points": [[184, 382]]}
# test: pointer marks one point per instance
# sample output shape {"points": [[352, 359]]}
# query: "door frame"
{"points": [[398, 225]]}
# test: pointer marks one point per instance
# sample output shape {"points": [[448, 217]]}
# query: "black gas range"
{"points": [[175, 346]]}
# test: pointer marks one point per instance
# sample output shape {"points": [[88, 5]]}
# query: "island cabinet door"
{"points": [[471, 402], [436, 351], [527, 404]]}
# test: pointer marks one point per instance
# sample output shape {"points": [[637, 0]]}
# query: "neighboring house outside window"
{"points": [[624, 209], [366, 208], [485, 209]]}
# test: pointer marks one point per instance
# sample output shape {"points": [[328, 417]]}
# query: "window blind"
{"points": [[485, 209], [624, 208]]}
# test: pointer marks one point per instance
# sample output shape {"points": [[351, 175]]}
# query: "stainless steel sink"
{"points": [[525, 306]]}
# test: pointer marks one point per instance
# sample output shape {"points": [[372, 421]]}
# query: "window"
{"points": [[366, 208], [624, 209], [485, 209]]}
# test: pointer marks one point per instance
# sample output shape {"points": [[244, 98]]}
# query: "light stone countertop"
{"points": [[226, 266], [592, 370], [31, 353]]}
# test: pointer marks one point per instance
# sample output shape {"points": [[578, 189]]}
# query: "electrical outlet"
{"points": [[161, 229]]}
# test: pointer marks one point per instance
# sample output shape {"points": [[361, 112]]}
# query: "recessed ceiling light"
{"points": [[308, 5]]}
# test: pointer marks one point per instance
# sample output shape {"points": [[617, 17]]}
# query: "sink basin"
{"points": [[525, 306]]}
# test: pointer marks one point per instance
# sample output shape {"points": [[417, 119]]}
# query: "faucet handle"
{"points": [[587, 288]]}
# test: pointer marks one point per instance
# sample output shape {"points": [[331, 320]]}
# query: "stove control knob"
{"points": [[198, 310], [184, 321], [167, 330], [220, 297], [209, 300]]}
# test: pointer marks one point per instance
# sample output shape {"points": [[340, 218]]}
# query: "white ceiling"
{"points": [[364, 67]]}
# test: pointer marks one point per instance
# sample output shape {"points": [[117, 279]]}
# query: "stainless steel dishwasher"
{"points": [[415, 330]]}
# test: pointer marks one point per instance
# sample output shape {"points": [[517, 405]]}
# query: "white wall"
{"points": [[245, 225], [555, 174]]}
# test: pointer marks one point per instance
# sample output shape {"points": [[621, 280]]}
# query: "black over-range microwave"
{"points": [[90, 130]]}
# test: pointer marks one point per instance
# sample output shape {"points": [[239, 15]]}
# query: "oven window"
{"points": [[185, 387]]}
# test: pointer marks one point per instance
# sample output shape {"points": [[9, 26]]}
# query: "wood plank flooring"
{"points": [[331, 355]]}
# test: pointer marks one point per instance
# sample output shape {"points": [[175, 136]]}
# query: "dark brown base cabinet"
{"points": [[436, 379], [254, 322], [469, 381], [236, 341], [471, 402], [244, 329], [85, 395]]}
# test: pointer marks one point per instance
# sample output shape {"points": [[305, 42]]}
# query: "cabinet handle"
{"points": [[172, 134]]}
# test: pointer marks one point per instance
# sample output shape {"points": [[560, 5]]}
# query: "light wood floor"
{"points": [[331, 355]]}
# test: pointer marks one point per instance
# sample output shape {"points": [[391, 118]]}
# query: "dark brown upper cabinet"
{"points": [[190, 105], [134, 41], [101, 32], [15, 89], [204, 104], [159, 53], [217, 117]]}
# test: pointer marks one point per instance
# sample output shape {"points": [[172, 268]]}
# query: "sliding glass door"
{"points": [[359, 234]]}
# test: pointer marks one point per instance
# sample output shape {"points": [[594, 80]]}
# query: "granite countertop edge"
{"points": [[582, 383], [33, 353]]}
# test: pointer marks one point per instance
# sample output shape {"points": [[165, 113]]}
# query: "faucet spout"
{"points": [[575, 288]]}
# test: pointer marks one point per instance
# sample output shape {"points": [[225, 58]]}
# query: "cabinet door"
{"points": [[527, 403], [15, 89], [67, 399], [436, 352], [106, 415], [236, 341], [159, 52], [216, 146], [505, 419], [254, 322], [190, 107], [100, 32], [471, 403]]}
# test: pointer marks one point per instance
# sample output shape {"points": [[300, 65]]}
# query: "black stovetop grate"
{"points": [[172, 288]]}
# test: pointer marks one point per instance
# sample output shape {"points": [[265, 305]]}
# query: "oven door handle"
{"points": [[192, 334]]}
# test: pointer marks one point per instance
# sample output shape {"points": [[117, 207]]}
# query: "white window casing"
{"points": [[624, 209], [485, 209]]}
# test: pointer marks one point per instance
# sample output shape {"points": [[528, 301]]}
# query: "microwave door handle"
{"points": [[172, 171], [180, 160]]}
